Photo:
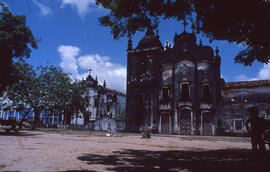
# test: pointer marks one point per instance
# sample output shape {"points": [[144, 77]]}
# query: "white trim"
{"points": [[201, 132], [192, 123], [170, 123], [176, 121], [1, 114], [159, 128], [7, 114], [151, 109]]}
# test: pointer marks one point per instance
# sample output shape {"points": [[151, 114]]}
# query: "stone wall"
{"points": [[236, 101]]}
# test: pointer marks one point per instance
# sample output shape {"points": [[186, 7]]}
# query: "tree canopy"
{"points": [[48, 90], [16, 40], [25, 94], [243, 22]]}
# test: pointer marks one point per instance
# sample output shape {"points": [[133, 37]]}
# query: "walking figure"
{"points": [[256, 130]]}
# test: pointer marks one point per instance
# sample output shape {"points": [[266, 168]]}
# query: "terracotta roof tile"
{"points": [[247, 84], [115, 91]]}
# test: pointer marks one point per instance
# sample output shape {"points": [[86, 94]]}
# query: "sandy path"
{"points": [[40, 151]]}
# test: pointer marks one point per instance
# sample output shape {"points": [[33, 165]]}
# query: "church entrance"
{"points": [[207, 123], [165, 123], [184, 121]]}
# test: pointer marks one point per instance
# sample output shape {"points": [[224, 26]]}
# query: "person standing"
{"points": [[256, 130]]}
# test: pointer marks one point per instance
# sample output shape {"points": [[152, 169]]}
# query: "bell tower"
{"points": [[143, 75]]}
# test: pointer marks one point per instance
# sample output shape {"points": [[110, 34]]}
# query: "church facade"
{"points": [[177, 90]]}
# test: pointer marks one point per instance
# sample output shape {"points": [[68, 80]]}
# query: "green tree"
{"points": [[25, 94], [61, 94], [49, 90], [57, 89], [15, 41], [243, 22]]}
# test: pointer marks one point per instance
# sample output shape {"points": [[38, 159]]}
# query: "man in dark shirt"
{"points": [[257, 129]]}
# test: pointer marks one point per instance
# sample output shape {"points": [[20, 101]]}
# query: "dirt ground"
{"points": [[92, 151]]}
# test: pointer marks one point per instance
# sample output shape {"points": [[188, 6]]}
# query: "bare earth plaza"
{"points": [[88, 151]]}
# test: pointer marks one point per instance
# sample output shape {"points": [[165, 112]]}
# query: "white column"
{"points": [[41, 115], [52, 119], [159, 128], [151, 103], [192, 128], [1, 114], [243, 127], [57, 118], [201, 132], [176, 122], [170, 123], [7, 114], [213, 129], [44, 118]]}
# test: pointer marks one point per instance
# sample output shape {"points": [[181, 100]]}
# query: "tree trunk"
{"points": [[36, 118], [5, 68], [85, 118], [67, 117]]}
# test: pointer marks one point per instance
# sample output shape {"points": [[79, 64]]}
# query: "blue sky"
{"points": [[73, 39]]}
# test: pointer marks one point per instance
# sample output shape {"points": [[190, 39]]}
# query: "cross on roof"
{"points": [[90, 70], [185, 24], [193, 26]]}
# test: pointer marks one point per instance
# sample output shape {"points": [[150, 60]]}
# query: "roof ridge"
{"points": [[241, 84], [115, 91]]}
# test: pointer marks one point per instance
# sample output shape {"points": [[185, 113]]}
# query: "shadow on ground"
{"points": [[197, 161], [20, 133]]}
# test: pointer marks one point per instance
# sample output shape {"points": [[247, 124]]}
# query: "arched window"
{"points": [[165, 93], [95, 102], [206, 94], [185, 91], [108, 107]]}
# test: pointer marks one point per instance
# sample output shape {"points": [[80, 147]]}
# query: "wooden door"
{"points": [[165, 124], [185, 121], [207, 123]]}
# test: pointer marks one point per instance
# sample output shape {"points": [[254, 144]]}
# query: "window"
{"points": [[143, 68], [108, 108], [238, 125], [165, 94], [185, 92], [95, 103], [206, 94]]}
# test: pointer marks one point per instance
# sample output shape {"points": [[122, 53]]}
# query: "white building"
{"points": [[106, 111]]}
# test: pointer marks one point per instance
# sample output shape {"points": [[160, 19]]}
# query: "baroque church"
{"points": [[179, 90]]}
